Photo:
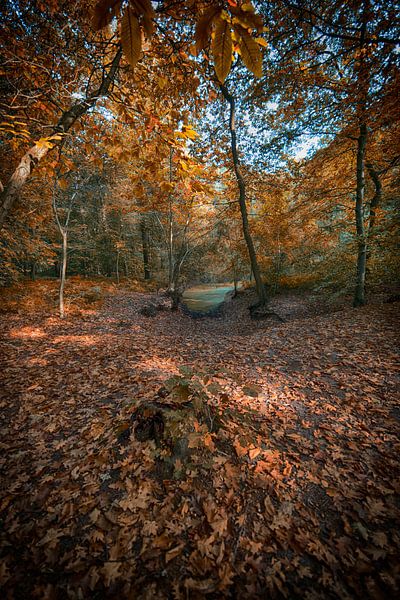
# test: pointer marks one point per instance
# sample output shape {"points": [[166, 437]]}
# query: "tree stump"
{"points": [[150, 310], [177, 422]]}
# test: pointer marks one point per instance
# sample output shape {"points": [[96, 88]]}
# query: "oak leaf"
{"points": [[254, 452], [174, 552], [240, 450]]}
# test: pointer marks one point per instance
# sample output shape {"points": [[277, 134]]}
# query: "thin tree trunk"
{"points": [[260, 288], [235, 283], [177, 290], [63, 229], [117, 267], [64, 234], [170, 233], [375, 201], [37, 152], [145, 248], [170, 251], [359, 295], [126, 270]]}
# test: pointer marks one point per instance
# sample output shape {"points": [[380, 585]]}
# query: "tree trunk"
{"points": [[375, 201], [363, 83], [63, 272], [126, 269], [33, 271], [170, 233], [235, 283], [117, 267], [260, 288], [37, 152], [359, 295], [176, 291], [145, 248]]}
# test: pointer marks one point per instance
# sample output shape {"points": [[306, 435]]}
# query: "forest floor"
{"points": [[275, 473]]}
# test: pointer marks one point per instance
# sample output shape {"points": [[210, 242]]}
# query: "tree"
{"points": [[96, 79], [329, 72], [261, 293], [63, 225]]}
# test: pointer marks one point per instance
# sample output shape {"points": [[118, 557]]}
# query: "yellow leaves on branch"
{"points": [[244, 20], [222, 48], [187, 133], [250, 51], [262, 42], [214, 22], [137, 15], [131, 37], [48, 142], [14, 128]]}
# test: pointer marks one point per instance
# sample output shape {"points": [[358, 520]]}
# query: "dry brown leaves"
{"points": [[294, 496]]}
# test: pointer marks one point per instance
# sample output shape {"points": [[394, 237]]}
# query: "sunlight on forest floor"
{"points": [[174, 446]]}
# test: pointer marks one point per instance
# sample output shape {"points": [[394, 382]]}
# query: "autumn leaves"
{"points": [[137, 16], [220, 33], [131, 37], [230, 34]]}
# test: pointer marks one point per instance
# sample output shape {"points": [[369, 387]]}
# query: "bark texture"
{"points": [[145, 248], [376, 199], [359, 295], [64, 234]]}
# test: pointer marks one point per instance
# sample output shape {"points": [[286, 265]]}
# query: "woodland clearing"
{"points": [[148, 451], [293, 495]]}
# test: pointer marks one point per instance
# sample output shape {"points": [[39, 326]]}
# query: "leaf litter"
{"points": [[179, 458]]}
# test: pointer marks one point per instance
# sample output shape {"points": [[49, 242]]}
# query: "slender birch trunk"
{"points": [[64, 234], [63, 229]]}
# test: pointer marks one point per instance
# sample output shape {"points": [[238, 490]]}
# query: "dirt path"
{"points": [[295, 496]]}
